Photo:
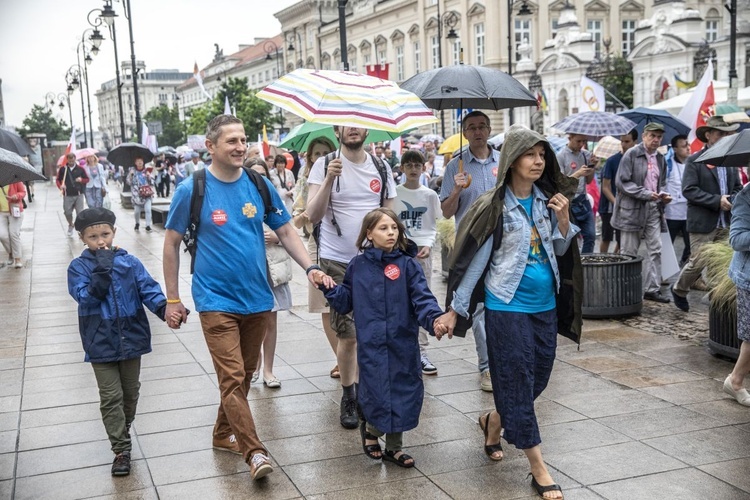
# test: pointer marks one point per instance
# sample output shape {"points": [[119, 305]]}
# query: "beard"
{"points": [[354, 143]]}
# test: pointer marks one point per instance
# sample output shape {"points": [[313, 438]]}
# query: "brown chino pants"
{"points": [[234, 342]]}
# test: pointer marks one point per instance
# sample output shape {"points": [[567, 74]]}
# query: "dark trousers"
{"points": [[583, 217], [521, 349], [676, 227], [118, 398]]}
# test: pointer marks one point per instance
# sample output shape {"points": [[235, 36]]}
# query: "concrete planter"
{"points": [[612, 285], [722, 333]]}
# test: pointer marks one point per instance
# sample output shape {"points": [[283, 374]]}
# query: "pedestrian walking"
{"points": [[96, 188], [71, 180], [111, 287], [579, 164], [514, 248], [11, 219], [230, 285], [386, 290], [609, 193], [142, 193]]}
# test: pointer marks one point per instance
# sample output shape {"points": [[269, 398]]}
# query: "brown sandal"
{"points": [[335, 372]]}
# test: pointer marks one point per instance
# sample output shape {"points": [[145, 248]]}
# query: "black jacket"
{"points": [[700, 185]]}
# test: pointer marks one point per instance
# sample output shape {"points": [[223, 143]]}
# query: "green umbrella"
{"points": [[726, 108], [299, 138]]}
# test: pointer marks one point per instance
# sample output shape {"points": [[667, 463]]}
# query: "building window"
{"points": [[628, 36], [253, 80], [382, 59], [353, 61], [479, 44], [417, 57], [522, 33], [399, 63], [594, 26], [310, 38], [555, 22], [712, 25], [366, 59], [456, 52], [268, 76], [435, 50]]}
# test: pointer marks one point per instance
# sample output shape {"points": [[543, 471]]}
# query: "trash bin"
{"points": [[722, 333], [612, 285]]}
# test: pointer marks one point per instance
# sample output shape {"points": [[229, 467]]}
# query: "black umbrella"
{"points": [[13, 168], [14, 142], [463, 86], [731, 151], [126, 153]]}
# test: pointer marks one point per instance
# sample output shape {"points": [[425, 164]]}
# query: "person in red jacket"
{"points": [[11, 217], [71, 181]]}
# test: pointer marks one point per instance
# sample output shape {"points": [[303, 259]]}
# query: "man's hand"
{"points": [[665, 198], [176, 314], [79, 180], [725, 204], [423, 253], [655, 197], [318, 277], [460, 181], [582, 172], [334, 168], [447, 322]]}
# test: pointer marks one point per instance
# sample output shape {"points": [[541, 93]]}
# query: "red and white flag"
{"points": [[71, 148], [378, 70], [700, 107], [199, 80]]}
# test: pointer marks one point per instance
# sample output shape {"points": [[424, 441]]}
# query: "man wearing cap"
{"points": [[71, 181], [639, 205], [708, 190]]}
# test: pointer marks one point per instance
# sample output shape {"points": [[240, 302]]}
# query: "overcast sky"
{"points": [[38, 40]]}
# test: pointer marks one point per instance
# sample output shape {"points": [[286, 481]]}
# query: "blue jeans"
{"points": [[583, 217], [94, 197], [480, 338], [521, 352]]}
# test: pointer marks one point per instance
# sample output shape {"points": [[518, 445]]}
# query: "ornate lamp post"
{"points": [[342, 35], [450, 19], [107, 16], [87, 59], [271, 48], [73, 79], [523, 12], [62, 99], [290, 39]]}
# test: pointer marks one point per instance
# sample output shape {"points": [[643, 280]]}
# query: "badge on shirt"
{"points": [[219, 217], [494, 172], [375, 185], [573, 165], [249, 210], [392, 272]]}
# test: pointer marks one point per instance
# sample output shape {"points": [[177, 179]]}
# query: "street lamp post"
{"points": [[342, 35], [450, 19], [61, 100], [87, 59], [134, 70], [298, 49], [107, 16], [271, 48], [523, 12], [732, 93], [73, 79]]}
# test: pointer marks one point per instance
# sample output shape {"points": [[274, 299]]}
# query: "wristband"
{"points": [[173, 301], [314, 267]]}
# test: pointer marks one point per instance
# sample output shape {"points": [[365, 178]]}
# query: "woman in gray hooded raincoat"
{"points": [[513, 251]]}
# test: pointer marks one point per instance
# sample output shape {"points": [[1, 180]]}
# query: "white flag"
{"points": [[227, 110], [199, 79], [144, 134], [592, 96]]}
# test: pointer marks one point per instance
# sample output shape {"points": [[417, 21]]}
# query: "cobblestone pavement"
{"points": [[635, 413]]}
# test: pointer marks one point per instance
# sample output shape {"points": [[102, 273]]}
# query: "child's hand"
{"points": [[440, 329], [444, 324], [423, 253]]}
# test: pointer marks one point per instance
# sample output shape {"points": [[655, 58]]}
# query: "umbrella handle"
{"points": [[461, 170]]}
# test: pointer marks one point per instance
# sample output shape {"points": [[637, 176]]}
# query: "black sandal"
{"points": [[370, 449], [390, 456], [541, 490], [491, 448]]}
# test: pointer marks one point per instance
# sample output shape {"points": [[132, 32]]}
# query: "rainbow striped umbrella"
{"points": [[348, 99]]}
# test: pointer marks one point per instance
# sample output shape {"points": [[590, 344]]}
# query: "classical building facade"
{"points": [[154, 89], [548, 48]]}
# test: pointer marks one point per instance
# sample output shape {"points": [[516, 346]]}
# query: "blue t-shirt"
{"points": [[609, 172], [536, 291], [230, 265]]}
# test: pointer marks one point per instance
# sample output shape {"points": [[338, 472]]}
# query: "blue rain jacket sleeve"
{"points": [[340, 296], [150, 291]]}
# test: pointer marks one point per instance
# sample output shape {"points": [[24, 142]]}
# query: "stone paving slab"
{"points": [[634, 412]]}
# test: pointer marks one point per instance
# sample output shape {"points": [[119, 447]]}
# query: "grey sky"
{"points": [[39, 39]]}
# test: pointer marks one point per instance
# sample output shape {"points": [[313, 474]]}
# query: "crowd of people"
{"points": [[523, 218]]}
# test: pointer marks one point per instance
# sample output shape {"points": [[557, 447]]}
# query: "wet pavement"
{"points": [[636, 413]]}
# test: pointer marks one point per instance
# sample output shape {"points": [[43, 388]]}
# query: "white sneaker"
{"points": [[260, 466], [427, 367], [486, 381], [70, 230]]}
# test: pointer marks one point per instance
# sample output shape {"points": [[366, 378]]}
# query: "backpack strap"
{"points": [[196, 204], [383, 170]]}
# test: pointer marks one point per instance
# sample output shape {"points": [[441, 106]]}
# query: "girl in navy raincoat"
{"points": [[386, 288]]}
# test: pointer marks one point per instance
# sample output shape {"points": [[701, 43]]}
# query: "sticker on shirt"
{"points": [[573, 165], [392, 272], [494, 172], [219, 217], [375, 185], [249, 210]]}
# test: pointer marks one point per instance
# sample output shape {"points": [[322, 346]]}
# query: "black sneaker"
{"points": [[656, 297], [137, 227], [680, 301], [348, 418], [427, 367], [121, 465], [148, 229]]}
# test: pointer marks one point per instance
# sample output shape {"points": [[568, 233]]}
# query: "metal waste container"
{"points": [[612, 285]]}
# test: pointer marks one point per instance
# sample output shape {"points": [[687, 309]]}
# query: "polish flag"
{"points": [[71, 148], [700, 107], [265, 144]]}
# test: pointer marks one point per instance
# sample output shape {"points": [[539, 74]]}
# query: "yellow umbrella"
{"points": [[450, 145]]}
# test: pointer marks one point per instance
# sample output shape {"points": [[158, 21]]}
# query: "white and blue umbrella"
{"points": [[595, 124]]}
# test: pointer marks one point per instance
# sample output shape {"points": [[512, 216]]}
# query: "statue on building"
{"points": [[537, 121], [525, 49], [219, 55]]}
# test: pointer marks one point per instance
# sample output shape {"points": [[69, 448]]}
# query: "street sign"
{"points": [[154, 128]]}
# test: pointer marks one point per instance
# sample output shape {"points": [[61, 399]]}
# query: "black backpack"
{"points": [[382, 169], [190, 238]]}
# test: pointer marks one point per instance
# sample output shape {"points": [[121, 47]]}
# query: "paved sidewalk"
{"points": [[635, 414]]}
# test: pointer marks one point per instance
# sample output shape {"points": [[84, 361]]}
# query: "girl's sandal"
{"points": [[489, 449], [335, 372], [370, 449], [390, 456]]}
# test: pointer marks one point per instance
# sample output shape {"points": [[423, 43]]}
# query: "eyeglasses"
{"points": [[481, 128], [412, 165]]}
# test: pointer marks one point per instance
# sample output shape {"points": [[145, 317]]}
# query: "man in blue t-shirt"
{"points": [[609, 193], [230, 288]]}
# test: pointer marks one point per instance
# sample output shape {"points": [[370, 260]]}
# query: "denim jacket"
{"points": [[509, 260], [739, 238]]}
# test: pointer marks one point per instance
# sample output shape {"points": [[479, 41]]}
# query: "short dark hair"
{"points": [[280, 159], [633, 134], [213, 130], [251, 162], [677, 139], [474, 114], [412, 156]]}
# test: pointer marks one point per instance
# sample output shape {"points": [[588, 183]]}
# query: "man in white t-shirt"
{"points": [[418, 208], [339, 197], [676, 212]]}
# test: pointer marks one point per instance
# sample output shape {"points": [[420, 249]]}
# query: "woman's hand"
{"points": [[560, 205], [424, 252], [445, 324], [300, 220], [270, 237]]}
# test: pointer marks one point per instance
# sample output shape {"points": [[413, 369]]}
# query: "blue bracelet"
{"points": [[314, 267]]}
